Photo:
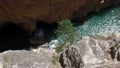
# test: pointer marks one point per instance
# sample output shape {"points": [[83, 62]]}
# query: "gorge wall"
{"points": [[26, 12]]}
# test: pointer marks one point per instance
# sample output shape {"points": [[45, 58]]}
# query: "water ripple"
{"points": [[102, 24]]}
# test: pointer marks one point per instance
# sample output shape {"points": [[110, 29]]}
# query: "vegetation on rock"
{"points": [[55, 59], [66, 33]]}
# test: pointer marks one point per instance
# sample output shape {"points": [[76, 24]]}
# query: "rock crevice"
{"points": [[90, 52]]}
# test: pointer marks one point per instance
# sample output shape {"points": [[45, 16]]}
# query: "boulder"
{"points": [[36, 58], [26, 12], [91, 53]]}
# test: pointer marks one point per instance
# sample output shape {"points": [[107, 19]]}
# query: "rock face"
{"points": [[86, 53], [26, 12], [91, 53], [37, 58]]}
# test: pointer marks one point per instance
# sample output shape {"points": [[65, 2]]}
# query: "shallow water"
{"points": [[104, 22]]}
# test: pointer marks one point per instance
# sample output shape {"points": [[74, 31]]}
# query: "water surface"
{"points": [[104, 22]]}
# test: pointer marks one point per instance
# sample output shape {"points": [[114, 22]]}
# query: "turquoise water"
{"points": [[104, 22]]}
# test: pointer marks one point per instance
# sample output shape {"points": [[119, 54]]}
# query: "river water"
{"points": [[104, 22]]}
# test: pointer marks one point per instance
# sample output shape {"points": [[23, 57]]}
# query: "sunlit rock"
{"points": [[53, 44], [36, 58], [90, 53]]}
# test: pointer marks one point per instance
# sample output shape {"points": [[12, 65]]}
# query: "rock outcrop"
{"points": [[89, 52], [37, 58], [26, 12], [92, 53]]}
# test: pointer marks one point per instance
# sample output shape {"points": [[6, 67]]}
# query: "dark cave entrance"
{"points": [[44, 33], [12, 37], [48, 29]]}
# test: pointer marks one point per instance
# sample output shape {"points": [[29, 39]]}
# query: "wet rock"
{"points": [[26, 12], [36, 58]]}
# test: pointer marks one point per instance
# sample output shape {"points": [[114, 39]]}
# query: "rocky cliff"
{"points": [[26, 12], [92, 53], [89, 52], [36, 58]]}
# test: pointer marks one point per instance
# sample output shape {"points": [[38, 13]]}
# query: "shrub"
{"points": [[65, 27], [66, 33]]}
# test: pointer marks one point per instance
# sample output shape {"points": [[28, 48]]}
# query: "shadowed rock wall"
{"points": [[26, 12]]}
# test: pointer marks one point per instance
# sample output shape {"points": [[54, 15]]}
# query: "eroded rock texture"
{"points": [[37, 58], [92, 53], [26, 12]]}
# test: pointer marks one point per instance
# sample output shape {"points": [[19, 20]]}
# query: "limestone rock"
{"points": [[37, 58], [26, 12], [90, 53], [105, 65]]}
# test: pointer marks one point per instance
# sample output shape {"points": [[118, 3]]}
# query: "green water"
{"points": [[104, 22]]}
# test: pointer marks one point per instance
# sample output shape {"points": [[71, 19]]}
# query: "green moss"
{"points": [[118, 45], [62, 47], [55, 59]]}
